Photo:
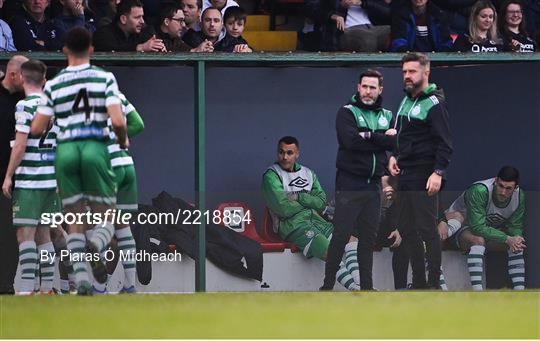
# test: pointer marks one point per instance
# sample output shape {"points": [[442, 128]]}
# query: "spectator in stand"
{"points": [[72, 16], [128, 32], [104, 11], [309, 37], [192, 12], [32, 31], [482, 35], [513, 29], [532, 13], [170, 30], [211, 27], [420, 26], [221, 5], [6, 40], [365, 25], [457, 13], [235, 20]]}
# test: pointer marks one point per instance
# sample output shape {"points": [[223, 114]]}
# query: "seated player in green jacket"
{"points": [[296, 201], [489, 214]]}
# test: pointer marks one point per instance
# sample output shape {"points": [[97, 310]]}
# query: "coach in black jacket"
{"points": [[364, 135], [424, 148], [11, 92]]}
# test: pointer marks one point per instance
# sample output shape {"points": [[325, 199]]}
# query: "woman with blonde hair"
{"points": [[482, 35]]}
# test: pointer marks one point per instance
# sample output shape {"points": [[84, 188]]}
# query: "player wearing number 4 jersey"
{"points": [[83, 97], [32, 161]]}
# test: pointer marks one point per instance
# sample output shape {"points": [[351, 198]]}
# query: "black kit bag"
{"points": [[225, 248]]}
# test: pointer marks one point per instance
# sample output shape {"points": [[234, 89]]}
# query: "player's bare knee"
{"points": [[25, 234], [455, 215], [477, 240], [43, 233]]}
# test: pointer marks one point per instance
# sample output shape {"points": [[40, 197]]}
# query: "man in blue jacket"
{"points": [[420, 26]]}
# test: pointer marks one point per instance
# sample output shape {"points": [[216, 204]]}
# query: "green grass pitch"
{"points": [[276, 315]]}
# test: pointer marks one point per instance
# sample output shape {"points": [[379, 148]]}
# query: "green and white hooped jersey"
{"points": [[495, 216], [78, 96], [119, 157], [36, 170]]}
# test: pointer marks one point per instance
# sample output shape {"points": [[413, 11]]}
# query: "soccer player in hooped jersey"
{"points": [[489, 214], [126, 198], [32, 162], [82, 98]]}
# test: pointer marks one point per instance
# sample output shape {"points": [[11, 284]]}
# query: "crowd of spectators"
{"points": [[421, 25], [330, 25], [123, 25]]}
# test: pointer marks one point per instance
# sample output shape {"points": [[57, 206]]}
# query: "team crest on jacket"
{"points": [[383, 121], [310, 234], [299, 182], [415, 111]]}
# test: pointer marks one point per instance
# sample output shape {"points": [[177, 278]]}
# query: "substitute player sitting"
{"points": [[83, 97], [32, 162], [296, 199], [489, 214]]}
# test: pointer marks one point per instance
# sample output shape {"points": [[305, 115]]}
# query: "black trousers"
{"points": [[9, 248], [358, 205], [400, 255], [418, 217], [400, 263]]}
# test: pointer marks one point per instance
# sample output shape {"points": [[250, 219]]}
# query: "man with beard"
{"points": [[364, 135], [424, 147], [128, 32]]}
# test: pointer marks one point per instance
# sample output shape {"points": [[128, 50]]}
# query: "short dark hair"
{"points": [[373, 74], [167, 11], [289, 140], [125, 6], [78, 40], [508, 173], [199, 4], [33, 71], [236, 12], [415, 57], [210, 8]]}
